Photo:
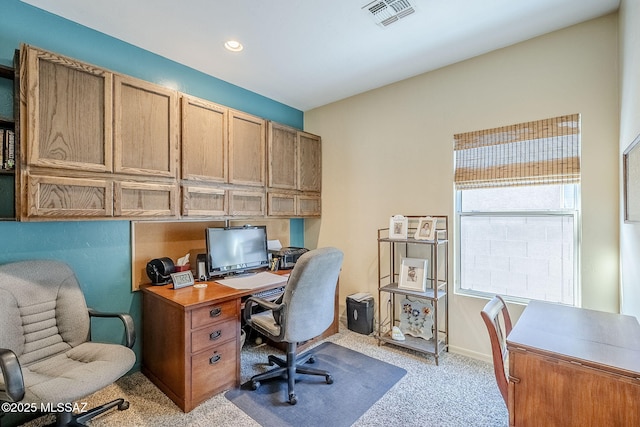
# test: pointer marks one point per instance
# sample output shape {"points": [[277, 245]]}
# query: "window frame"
{"points": [[575, 212]]}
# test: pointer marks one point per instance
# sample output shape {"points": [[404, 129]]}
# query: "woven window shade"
{"points": [[532, 153]]}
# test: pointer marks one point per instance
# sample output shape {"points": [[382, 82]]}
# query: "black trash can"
{"points": [[360, 314]]}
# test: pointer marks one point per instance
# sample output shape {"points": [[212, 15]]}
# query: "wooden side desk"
{"points": [[191, 339], [573, 367]]}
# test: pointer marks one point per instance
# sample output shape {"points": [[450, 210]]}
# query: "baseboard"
{"points": [[472, 354]]}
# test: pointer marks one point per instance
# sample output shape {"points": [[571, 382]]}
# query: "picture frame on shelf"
{"points": [[631, 175], [413, 274], [426, 229], [398, 227]]}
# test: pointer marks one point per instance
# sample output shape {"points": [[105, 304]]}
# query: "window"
{"points": [[517, 211]]}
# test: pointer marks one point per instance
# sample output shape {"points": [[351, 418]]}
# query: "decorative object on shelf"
{"points": [[413, 274], [397, 334], [398, 226], [426, 229], [417, 318]]}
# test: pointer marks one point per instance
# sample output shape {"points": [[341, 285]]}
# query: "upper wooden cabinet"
{"points": [[295, 159], [283, 157], [69, 111], [223, 161], [146, 131], [96, 144], [204, 140], [309, 162], [295, 174], [247, 149], [82, 117]]}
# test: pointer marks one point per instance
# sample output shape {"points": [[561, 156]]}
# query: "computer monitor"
{"points": [[234, 250]]}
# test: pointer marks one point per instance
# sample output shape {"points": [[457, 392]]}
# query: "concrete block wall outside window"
{"points": [[512, 251]]}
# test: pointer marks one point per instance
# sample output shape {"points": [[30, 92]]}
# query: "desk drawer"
{"points": [[214, 370], [214, 313], [213, 335]]}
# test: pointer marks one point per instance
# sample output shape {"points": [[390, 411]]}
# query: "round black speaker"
{"points": [[159, 270]]}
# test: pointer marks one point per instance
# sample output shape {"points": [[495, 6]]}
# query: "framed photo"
{"points": [[631, 171], [413, 274], [398, 226], [426, 229], [182, 279]]}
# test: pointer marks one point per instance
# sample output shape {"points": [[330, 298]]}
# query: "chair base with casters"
{"points": [[289, 368], [78, 420]]}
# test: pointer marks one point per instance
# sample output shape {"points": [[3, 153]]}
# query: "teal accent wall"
{"points": [[100, 251], [296, 232]]}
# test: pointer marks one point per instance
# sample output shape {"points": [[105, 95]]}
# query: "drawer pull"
{"points": [[215, 335], [214, 359], [215, 312]]}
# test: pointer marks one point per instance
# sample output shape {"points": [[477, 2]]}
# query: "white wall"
{"points": [[629, 129], [389, 151]]}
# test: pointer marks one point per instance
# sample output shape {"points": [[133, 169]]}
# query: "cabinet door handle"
{"points": [[214, 359], [215, 335], [215, 312]]}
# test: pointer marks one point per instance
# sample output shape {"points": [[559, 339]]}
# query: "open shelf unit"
{"points": [[7, 176], [390, 253]]}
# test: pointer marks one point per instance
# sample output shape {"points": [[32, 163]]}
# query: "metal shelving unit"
{"points": [[390, 253]]}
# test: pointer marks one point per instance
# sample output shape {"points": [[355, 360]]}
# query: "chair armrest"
{"points": [[12, 375], [127, 321], [261, 302]]}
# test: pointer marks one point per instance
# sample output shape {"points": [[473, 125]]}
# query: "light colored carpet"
{"points": [[459, 392]]}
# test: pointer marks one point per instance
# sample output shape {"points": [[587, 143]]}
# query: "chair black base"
{"points": [[69, 419], [289, 368]]}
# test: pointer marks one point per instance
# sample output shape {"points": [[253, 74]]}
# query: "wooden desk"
{"points": [[572, 366], [191, 339]]}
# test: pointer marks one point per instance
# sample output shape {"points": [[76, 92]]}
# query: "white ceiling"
{"points": [[308, 53]]}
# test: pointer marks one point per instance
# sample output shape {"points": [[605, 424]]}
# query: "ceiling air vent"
{"points": [[385, 12]]}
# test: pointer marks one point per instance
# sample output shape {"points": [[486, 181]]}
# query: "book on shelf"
{"points": [[2, 136], [7, 155]]}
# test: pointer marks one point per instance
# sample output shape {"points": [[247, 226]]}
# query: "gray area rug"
{"points": [[459, 392], [359, 381]]}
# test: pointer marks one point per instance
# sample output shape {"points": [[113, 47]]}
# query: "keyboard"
{"points": [[270, 294]]}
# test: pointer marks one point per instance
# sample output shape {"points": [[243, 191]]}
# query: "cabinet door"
{"points": [[309, 162], [69, 112], [137, 199], [281, 204], [247, 149], [204, 201], [61, 197], [309, 206], [246, 203], [145, 128], [283, 152], [204, 140]]}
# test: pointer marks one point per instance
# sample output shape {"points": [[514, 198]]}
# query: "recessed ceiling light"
{"points": [[233, 45]]}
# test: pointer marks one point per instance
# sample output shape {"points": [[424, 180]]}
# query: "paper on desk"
{"points": [[254, 281], [274, 245]]}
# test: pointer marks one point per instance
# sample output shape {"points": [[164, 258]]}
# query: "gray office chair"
{"points": [[46, 358], [306, 311]]}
